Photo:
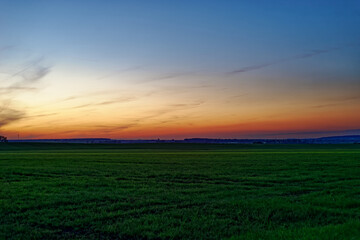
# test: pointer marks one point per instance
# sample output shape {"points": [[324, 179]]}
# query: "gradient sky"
{"points": [[175, 69]]}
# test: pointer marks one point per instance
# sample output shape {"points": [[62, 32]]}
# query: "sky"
{"points": [[179, 69]]}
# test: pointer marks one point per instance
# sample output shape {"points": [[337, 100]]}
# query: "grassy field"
{"points": [[179, 191]]}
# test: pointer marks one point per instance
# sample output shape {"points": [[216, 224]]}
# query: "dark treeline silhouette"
{"points": [[3, 139], [349, 139]]}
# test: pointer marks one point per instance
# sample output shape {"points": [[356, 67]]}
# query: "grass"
{"points": [[179, 191]]}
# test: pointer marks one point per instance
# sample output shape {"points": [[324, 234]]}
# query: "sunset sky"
{"points": [[178, 69]]}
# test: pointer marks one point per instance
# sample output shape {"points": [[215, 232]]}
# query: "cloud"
{"points": [[168, 76], [87, 95], [28, 75], [109, 102], [338, 101], [171, 108], [42, 115], [9, 90], [23, 80], [114, 127], [5, 48], [288, 59], [236, 98], [9, 115], [116, 73], [178, 89]]}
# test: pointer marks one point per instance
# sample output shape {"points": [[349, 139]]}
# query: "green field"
{"points": [[179, 191]]}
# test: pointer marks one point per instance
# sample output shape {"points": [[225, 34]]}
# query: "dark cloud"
{"points": [[9, 115]]}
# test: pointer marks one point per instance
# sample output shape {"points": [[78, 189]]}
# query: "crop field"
{"points": [[179, 191]]}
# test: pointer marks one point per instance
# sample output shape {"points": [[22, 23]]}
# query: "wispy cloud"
{"points": [[8, 90], [5, 48], [167, 76], [236, 98], [9, 115], [116, 73], [338, 101], [22, 80], [88, 95], [108, 102], [288, 59], [138, 121]]}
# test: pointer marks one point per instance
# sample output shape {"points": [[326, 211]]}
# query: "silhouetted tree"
{"points": [[3, 139]]}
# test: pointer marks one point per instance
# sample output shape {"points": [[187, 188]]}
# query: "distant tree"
{"points": [[3, 139]]}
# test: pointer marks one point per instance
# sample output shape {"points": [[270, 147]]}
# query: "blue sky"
{"points": [[301, 49], [184, 33]]}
